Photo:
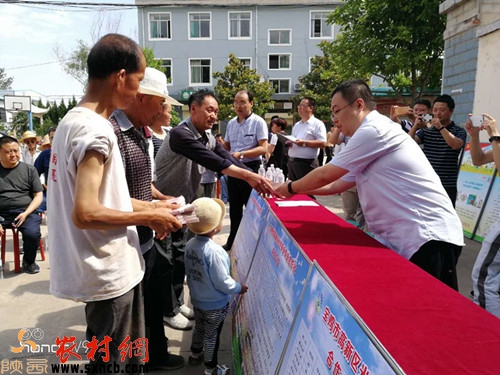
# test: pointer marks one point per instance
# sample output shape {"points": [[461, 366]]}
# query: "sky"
{"points": [[30, 33]]}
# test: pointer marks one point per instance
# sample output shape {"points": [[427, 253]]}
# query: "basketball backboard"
{"points": [[17, 103]]}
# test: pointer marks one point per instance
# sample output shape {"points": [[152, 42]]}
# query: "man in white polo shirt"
{"points": [[310, 136], [404, 203]]}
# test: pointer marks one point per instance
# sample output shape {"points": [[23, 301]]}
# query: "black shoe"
{"points": [[194, 361], [174, 362], [31, 268], [227, 246]]}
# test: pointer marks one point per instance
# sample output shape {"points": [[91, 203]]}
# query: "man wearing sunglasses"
{"points": [[30, 152], [403, 201]]}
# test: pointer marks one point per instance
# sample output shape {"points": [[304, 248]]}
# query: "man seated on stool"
{"points": [[20, 196]]}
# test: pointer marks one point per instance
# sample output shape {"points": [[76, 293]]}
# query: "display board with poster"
{"points": [[246, 240], [330, 338], [473, 192], [491, 211], [264, 317]]}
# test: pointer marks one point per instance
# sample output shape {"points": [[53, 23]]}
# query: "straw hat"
{"points": [[155, 83], [28, 134], [45, 143], [210, 212]]}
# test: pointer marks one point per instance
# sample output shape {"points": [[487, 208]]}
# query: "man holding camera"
{"points": [[421, 107], [443, 141]]}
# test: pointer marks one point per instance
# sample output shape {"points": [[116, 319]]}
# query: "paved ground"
{"points": [[25, 302]]}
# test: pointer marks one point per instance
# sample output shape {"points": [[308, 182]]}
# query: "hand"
{"points": [[165, 204], [298, 142], [1, 231], [163, 222], [261, 184], [490, 125], [19, 220], [419, 123], [244, 289], [282, 190], [436, 123]]}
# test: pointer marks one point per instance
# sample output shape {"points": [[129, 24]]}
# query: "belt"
{"points": [[301, 159]]}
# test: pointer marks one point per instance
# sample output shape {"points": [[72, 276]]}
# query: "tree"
{"points": [[20, 122], [150, 59], [75, 64], [320, 82], [236, 77], [5, 82], [401, 42]]}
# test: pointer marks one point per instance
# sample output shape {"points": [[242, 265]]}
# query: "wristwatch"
{"points": [[441, 128], [290, 190], [494, 138], [304, 144], [241, 155]]}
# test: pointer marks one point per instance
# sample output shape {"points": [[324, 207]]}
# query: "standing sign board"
{"points": [[473, 186]]}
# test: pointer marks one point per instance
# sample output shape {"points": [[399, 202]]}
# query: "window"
{"points": [[166, 64], [246, 61], [281, 86], [280, 37], [319, 27], [239, 25], [279, 61], [199, 25], [200, 71], [160, 26]]}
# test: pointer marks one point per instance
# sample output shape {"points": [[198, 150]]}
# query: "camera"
{"points": [[426, 117]]}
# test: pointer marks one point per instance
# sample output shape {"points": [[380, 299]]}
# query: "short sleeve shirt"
{"points": [[313, 129], [246, 135], [403, 200]]}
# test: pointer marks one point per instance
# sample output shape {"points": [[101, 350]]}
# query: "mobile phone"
{"points": [[477, 120], [16, 222], [427, 117], [399, 111]]}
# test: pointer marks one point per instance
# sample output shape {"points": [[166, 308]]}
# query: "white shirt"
{"points": [[403, 200], [246, 135], [89, 265], [27, 158], [314, 130]]}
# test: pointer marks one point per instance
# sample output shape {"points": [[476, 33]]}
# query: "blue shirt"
{"points": [[207, 272]]}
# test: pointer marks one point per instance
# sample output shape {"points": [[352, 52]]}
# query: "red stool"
{"points": [[17, 252]]}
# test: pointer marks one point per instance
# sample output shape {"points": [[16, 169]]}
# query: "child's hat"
{"points": [[210, 212]]}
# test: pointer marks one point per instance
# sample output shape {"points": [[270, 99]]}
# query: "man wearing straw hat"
{"points": [[30, 152]]}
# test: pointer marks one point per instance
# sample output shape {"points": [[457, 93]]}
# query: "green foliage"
{"points": [[150, 59], [320, 82], [73, 103], [20, 122], [236, 77], [5, 82], [401, 42], [176, 119], [75, 64], [43, 129]]}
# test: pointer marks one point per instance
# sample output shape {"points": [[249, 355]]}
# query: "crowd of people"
{"points": [[113, 171]]}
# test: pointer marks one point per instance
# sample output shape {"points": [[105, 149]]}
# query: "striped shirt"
{"points": [[442, 157]]}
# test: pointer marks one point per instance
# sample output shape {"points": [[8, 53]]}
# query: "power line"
{"points": [[34, 65]]}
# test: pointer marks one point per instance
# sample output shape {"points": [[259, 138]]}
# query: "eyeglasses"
{"points": [[335, 113], [303, 105], [30, 141]]}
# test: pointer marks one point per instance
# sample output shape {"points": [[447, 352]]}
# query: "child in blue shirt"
{"points": [[209, 281]]}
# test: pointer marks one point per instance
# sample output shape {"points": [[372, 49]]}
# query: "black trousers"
{"points": [[439, 259], [239, 192], [157, 290], [298, 168]]}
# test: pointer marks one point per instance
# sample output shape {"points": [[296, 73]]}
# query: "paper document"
{"points": [[296, 203]]}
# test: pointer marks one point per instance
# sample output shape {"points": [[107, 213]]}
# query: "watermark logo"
{"points": [[30, 341]]}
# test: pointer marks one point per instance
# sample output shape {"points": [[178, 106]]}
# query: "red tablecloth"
{"points": [[426, 326]]}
